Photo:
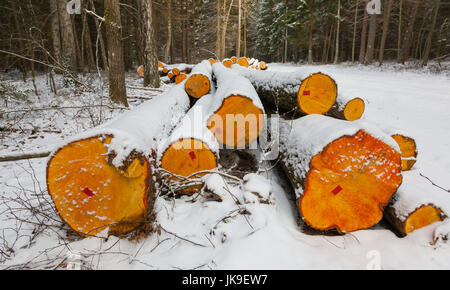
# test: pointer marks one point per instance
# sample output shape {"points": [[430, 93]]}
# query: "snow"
{"points": [[218, 235]]}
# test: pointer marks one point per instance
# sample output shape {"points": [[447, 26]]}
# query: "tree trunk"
{"points": [[225, 26], [346, 196], [311, 27], [371, 39], [430, 34], [100, 39], [218, 31], [117, 90], [362, 48], [151, 75], [336, 54], [399, 33], [245, 28], [408, 39], [86, 36], [169, 31], [56, 37], [386, 19], [238, 41], [354, 31], [69, 58]]}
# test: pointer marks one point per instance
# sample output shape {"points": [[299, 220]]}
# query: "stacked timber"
{"points": [[104, 178], [343, 173]]}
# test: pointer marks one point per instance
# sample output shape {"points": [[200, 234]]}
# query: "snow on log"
{"points": [[104, 178], [237, 117], [212, 61], [407, 144], [343, 173], [191, 147], [199, 82], [347, 108], [416, 204]]}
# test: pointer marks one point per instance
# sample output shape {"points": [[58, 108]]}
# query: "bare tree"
{"points": [[338, 25], [354, 31], [430, 34], [69, 57], [386, 19], [371, 39], [238, 41], [151, 75], [407, 40], [169, 31], [117, 90], [362, 49], [56, 38], [311, 27]]}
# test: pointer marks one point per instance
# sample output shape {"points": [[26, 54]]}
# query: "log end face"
{"points": [[180, 78], [140, 71], [354, 109], [349, 183], [227, 62], [317, 94], [408, 150], [242, 62], [187, 156], [91, 195], [237, 123], [423, 216], [197, 85]]}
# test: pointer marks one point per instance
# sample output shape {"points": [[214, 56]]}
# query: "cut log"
{"points": [[227, 62], [199, 82], [140, 71], [416, 204], [212, 61], [282, 93], [233, 59], [104, 178], [347, 108], [406, 143], [242, 62], [163, 71], [191, 148], [179, 78], [343, 173], [176, 71], [161, 65], [237, 117], [262, 65], [317, 94]]}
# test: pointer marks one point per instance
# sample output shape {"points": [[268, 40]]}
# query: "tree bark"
{"points": [[386, 19], [354, 31], [362, 49], [371, 40], [245, 28], [169, 31], [117, 90], [151, 75], [218, 31], [430, 34], [399, 33], [56, 38], [407, 40], [100, 38], [311, 27], [238, 41], [69, 58], [336, 55]]}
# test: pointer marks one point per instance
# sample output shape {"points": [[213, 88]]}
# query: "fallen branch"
{"points": [[22, 156], [145, 89]]}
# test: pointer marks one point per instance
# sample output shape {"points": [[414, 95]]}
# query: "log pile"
{"points": [[346, 172]]}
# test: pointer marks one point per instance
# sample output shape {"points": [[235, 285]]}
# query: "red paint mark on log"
{"points": [[306, 93], [88, 192], [192, 154], [336, 190]]}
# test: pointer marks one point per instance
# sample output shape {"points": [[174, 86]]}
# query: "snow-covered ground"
{"points": [[244, 231]]}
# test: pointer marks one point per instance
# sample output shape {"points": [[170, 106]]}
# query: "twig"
{"points": [[21, 156], [146, 89], [184, 239], [440, 187]]}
